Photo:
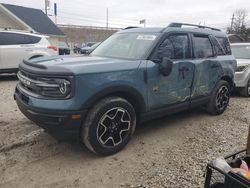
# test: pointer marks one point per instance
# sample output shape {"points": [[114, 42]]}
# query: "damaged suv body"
{"points": [[135, 75]]}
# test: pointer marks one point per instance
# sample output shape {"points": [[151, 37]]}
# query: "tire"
{"points": [[220, 98], [109, 126], [246, 90]]}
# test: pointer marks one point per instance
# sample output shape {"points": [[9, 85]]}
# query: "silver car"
{"points": [[241, 51]]}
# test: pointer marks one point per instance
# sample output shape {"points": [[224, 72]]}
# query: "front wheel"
{"points": [[109, 126], [246, 90], [220, 98]]}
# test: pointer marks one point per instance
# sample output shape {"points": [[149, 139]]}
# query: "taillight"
{"points": [[52, 47]]}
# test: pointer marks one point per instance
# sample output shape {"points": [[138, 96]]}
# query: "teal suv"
{"points": [[135, 75]]}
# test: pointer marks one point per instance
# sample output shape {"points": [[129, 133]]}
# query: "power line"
{"points": [[129, 22], [90, 21]]}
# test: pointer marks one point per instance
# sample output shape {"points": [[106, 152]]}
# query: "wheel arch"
{"points": [[129, 93], [229, 80]]}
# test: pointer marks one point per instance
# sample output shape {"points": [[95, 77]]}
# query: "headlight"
{"points": [[54, 87], [241, 67], [47, 87]]}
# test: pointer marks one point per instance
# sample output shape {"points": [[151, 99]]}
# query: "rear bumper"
{"points": [[52, 120]]}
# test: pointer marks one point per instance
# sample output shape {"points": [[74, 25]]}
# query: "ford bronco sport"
{"points": [[135, 75]]}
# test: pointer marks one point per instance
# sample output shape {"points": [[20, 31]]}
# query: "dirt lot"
{"points": [[169, 152]]}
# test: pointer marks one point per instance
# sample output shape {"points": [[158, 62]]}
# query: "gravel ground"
{"points": [[169, 152]]}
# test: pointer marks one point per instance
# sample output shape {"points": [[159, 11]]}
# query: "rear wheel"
{"points": [[220, 98], [109, 126], [246, 90]]}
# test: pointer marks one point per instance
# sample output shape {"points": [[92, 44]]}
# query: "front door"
{"points": [[176, 87]]}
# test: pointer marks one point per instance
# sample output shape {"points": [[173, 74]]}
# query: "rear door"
{"points": [[208, 69], [14, 48]]}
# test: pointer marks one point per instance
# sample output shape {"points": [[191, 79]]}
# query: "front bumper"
{"points": [[241, 78], [53, 120]]}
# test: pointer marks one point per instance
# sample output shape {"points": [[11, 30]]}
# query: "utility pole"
{"points": [[107, 18], [46, 7], [55, 12], [232, 22]]}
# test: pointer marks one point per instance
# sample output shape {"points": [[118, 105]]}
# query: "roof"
{"points": [[35, 18], [172, 28]]}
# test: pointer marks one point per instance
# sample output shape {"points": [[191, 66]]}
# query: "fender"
{"points": [[129, 93]]}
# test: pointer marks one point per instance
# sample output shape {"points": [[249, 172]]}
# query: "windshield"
{"points": [[126, 45], [241, 52]]}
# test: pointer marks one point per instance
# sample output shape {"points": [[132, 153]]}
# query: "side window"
{"points": [[15, 39], [6, 39], [218, 48], [174, 47], [224, 42], [202, 46]]}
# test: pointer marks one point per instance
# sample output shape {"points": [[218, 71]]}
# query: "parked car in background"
{"points": [[17, 46], [241, 52], [88, 50], [63, 48], [133, 76], [77, 47], [89, 44]]}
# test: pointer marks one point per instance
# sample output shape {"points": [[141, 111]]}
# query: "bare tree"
{"points": [[238, 23]]}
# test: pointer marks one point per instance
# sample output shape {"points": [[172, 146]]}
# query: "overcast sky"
{"points": [[122, 13]]}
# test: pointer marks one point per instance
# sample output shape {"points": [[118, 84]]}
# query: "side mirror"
{"points": [[165, 66]]}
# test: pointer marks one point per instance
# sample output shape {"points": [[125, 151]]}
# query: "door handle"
{"points": [[213, 66], [182, 70]]}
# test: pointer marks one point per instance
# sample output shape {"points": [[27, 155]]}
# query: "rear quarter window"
{"points": [[224, 42], [218, 47], [34, 40]]}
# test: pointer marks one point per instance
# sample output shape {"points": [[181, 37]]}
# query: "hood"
{"points": [[243, 61], [78, 64]]}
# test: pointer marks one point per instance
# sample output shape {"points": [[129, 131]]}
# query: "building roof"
{"points": [[36, 19]]}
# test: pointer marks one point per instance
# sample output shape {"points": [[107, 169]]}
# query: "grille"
{"points": [[27, 81]]}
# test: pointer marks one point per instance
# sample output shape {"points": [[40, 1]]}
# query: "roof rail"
{"points": [[131, 27], [185, 24], [17, 30]]}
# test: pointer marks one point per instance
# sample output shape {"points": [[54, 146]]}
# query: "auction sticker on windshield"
{"points": [[146, 37]]}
